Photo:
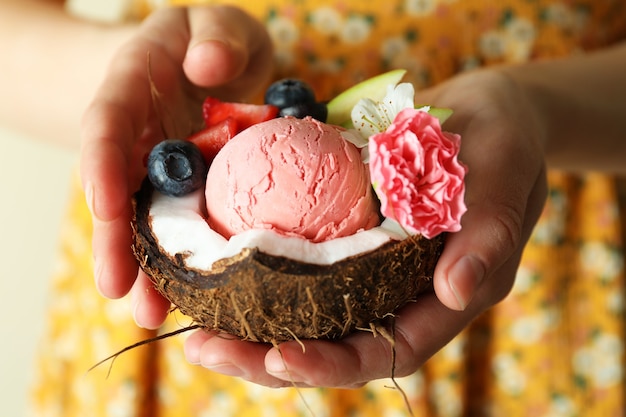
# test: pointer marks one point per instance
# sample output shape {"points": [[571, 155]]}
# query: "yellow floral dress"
{"points": [[554, 347]]}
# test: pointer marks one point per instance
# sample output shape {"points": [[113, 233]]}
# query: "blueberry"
{"points": [[176, 167], [289, 92], [316, 110]]}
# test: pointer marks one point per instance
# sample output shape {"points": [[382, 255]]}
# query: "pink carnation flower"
{"points": [[416, 174]]}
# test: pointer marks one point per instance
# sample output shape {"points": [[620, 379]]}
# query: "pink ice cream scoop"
{"points": [[298, 177]]}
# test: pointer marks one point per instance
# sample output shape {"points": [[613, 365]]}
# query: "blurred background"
{"points": [[34, 179]]}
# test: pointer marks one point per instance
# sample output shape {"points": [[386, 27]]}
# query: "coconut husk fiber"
{"points": [[265, 298]]}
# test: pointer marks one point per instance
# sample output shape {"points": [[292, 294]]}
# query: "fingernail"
{"points": [[275, 366], [193, 361], [98, 268], [464, 278], [227, 369], [136, 304], [192, 355], [196, 48], [90, 197], [216, 40]]}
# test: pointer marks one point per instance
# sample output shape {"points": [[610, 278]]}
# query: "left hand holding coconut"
{"points": [[122, 124]]}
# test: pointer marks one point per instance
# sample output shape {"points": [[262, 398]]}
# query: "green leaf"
{"points": [[440, 113]]}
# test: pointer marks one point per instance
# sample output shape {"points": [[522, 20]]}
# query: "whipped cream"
{"points": [[180, 227]]}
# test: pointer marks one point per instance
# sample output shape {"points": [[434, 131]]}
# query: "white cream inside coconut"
{"points": [[180, 227]]}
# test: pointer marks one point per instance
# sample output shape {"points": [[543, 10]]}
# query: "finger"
{"points": [[119, 114], [107, 137], [112, 125], [230, 356], [150, 308], [502, 210], [104, 172], [115, 266], [475, 253], [193, 345], [106, 185], [227, 44], [421, 329]]}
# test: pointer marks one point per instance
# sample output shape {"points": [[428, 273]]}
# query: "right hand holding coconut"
{"points": [[511, 119], [504, 196]]}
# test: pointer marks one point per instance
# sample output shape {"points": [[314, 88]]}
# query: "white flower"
{"points": [[492, 44], [370, 117], [567, 17], [355, 30], [327, 20], [393, 47], [615, 302], [509, 376], [520, 35], [599, 361], [359, 141], [420, 7], [454, 350], [529, 329], [446, 400], [283, 31], [521, 30], [561, 406], [601, 261], [513, 43]]}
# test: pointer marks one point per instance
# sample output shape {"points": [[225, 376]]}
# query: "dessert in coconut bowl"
{"points": [[297, 219]]}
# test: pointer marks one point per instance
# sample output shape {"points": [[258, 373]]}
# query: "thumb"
{"points": [[226, 44], [484, 256]]}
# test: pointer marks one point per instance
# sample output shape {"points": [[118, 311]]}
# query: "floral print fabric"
{"points": [[554, 347]]}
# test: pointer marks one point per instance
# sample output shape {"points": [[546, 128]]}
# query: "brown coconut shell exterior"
{"points": [[266, 298]]}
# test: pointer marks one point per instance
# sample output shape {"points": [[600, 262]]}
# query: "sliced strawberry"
{"points": [[246, 115], [211, 139]]}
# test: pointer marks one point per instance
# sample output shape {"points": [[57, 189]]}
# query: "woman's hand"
{"points": [[186, 54], [506, 188]]}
